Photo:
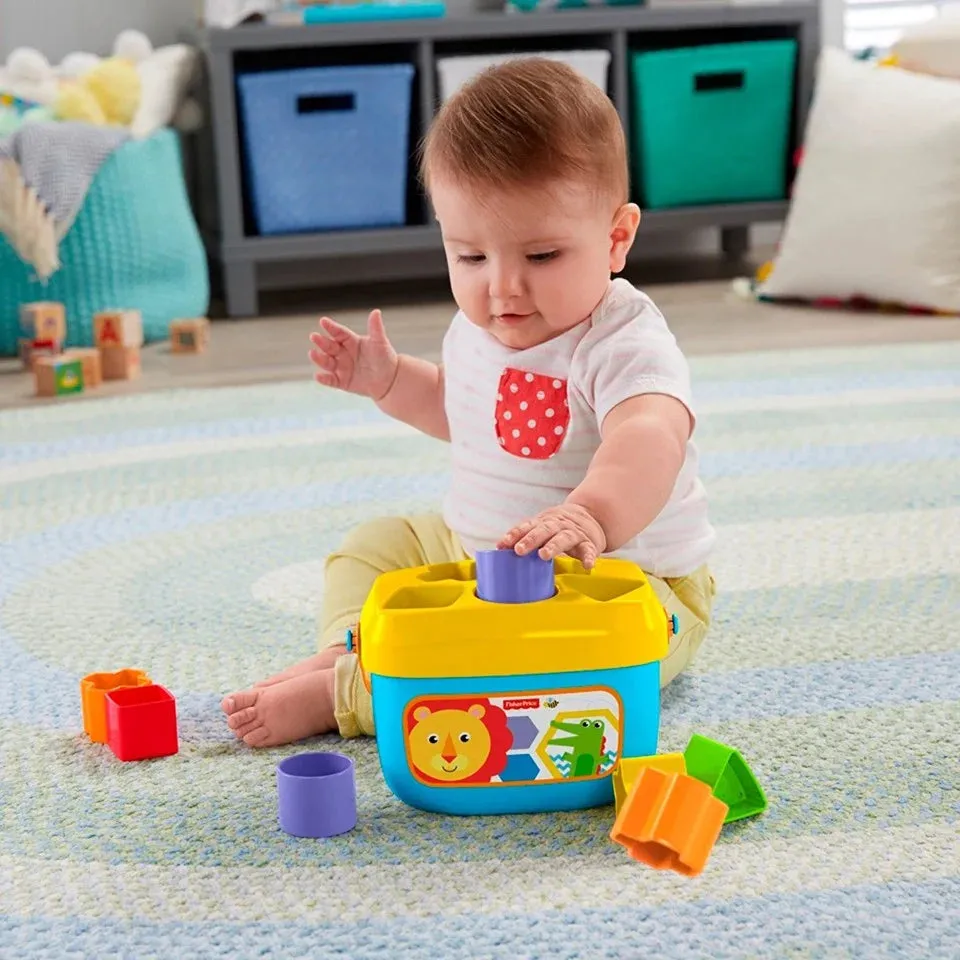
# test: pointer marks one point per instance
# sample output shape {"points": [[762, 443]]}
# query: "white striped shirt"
{"points": [[525, 424]]}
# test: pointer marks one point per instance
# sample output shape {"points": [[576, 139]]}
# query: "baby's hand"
{"points": [[348, 361], [568, 529]]}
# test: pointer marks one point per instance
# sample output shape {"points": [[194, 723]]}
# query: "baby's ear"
{"points": [[623, 232]]}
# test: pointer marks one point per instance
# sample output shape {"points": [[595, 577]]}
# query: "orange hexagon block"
{"points": [[93, 689], [669, 821]]}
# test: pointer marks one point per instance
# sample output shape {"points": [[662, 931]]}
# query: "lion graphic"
{"points": [[457, 740]]}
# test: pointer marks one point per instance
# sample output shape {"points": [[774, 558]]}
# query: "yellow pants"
{"points": [[393, 543]]}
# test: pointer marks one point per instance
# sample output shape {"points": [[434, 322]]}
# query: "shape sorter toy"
{"points": [[511, 684], [134, 716]]}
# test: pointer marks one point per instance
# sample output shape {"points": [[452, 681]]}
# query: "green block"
{"points": [[726, 773], [69, 377]]}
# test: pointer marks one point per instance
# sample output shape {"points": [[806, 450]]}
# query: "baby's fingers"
{"points": [[323, 361], [510, 539], [327, 344], [564, 541], [336, 331], [586, 553]]}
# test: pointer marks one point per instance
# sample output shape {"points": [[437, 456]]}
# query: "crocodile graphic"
{"points": [[586, 743]]}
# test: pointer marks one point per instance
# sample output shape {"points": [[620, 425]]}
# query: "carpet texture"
{"points": [[184, 534]]}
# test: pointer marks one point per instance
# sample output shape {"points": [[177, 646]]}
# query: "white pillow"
{"points": [[932, 47], [875, 210], [165, 77]]}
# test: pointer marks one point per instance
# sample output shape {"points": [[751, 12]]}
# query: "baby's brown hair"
{"points": [[528, 122]]}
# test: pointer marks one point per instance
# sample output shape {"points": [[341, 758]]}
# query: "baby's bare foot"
{"points": [[283, 712], [319, 661]]}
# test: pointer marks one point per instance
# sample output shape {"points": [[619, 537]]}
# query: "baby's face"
{"points": [[527, 265]]}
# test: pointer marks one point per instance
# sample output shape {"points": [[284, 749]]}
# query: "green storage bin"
{"points": [[711, 124]]}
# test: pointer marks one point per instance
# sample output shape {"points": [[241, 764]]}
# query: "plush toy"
{"points": [[108, 93]]}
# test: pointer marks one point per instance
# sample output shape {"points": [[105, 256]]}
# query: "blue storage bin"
{"points": [[327, 147], [711, 124]]}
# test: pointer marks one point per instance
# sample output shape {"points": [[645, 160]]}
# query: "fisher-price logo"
{"points": [[527, 703]]}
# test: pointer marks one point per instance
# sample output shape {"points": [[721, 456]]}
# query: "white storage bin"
{"points": [[453, 72]]}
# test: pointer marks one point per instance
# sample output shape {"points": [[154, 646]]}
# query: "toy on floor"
{"points": [[669, 821], [43, 326], [484, 706], [189, 336], [56, 372], [127, 711], [672, 807], [90, 363], [317, 794], [57, 376], [118, 335]]}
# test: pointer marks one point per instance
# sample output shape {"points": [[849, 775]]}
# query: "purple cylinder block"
{"points": [[504, 577], [317, 794]]}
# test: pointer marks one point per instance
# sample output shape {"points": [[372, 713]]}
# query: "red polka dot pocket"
{"points": [[532, 414]]}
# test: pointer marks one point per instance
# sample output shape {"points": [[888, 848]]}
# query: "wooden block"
{"points": [[89, 357], [56, 376], [189, 336], [120, 363], [118, 328], [31, 350], [44, 320]]}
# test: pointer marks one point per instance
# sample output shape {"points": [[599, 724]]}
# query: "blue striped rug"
{"points": [[184, 533]]}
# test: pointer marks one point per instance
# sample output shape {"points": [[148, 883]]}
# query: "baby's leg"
{"points": [[389, 543], [283, 712], [324, 660], [325, 692], [690, 600]]}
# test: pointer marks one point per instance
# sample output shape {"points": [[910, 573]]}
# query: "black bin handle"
{"points": [[326, 103], [719, 80]]}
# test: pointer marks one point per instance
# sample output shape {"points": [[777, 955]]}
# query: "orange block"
{"points": [[669, 821], [93, 691]]}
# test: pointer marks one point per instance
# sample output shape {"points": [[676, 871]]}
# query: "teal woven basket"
{"points": [[711, 124], [134, 245]]}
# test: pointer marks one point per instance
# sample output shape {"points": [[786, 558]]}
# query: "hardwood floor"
{"points": [[704, 313]]}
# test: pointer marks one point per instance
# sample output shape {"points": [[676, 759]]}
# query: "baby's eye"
{"points": [[471, 258], [433, 738], [543, 257]]}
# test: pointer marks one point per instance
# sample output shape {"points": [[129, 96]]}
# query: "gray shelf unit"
{"points": [[251, 263]]}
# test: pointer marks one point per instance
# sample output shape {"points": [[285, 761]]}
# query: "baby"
{"points": [[564, 396]]}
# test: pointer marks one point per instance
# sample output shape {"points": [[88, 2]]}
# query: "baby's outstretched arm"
{"points": [[628, 483], [404, 387]]}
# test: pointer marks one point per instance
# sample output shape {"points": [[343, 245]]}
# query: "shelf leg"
{"points": [[735, 242], [240, 289]]}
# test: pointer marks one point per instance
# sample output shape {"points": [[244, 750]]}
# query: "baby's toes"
{"points": [[242, 718], [257, 736]]}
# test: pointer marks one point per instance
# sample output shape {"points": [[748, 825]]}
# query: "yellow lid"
{"points": [[429, 622]]}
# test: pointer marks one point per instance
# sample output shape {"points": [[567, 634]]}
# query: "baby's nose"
{"points": [[505, 283]]}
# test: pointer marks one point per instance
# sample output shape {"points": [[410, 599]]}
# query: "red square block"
{"points": [[142, 722]]}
